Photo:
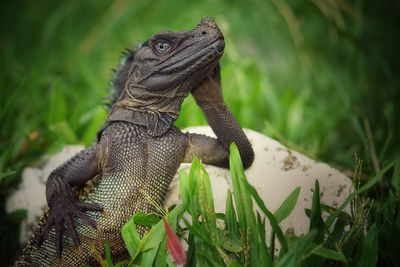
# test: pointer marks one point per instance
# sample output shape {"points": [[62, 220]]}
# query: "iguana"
{"points": [[138, 149]]}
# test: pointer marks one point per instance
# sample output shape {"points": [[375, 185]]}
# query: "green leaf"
{"points": [[161, 257], [108, 254], [230, 217], [6, 174], [206, 204], [341, 216], [197, 230], [294, 256], [372, 181], [157, 232], [316, 221], [191, 189], [191, 256], [287, 205], [272, 220], [144, 251], [184, 193], [64, 130], [58, 107], [234, 161], [122, 263], [145, 219], [317, 224], [367, 254], [149, 255], [329, 253], [235, 264], [337, 233], [230, 243], [244, 206], [131, 237], [265, 257], [14, 217]]}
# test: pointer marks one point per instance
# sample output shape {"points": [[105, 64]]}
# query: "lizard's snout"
{"points": [[209, 29]]}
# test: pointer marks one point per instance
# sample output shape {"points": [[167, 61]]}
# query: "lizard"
{"points": [[138, 149]]}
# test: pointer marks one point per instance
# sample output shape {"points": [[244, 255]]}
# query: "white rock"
{"points": [[275, 173]]}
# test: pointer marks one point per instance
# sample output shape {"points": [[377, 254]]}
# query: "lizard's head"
{"points": [[159, 74], [172, 60]]}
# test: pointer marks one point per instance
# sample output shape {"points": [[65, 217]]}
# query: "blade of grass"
{"points": [[230, 218], [368, 251], [287, 206], [109, 262], [265, 257], [272, 220], [206, 205], [299, 248], [317, 224], [316, 221], [284, 210], [272, 245], [244, 203], [329, 253], [131, 237], [145, 219]]}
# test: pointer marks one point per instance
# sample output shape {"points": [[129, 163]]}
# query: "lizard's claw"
{"points": [[61, 214]]}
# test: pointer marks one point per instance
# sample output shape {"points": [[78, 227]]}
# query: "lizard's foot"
{"points": [[62, 212]]}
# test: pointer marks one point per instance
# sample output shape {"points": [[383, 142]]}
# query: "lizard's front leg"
{"points": [[208, 96], [62, 202]]}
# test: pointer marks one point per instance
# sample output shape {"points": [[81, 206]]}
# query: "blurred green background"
{"points": [[320, 76]]}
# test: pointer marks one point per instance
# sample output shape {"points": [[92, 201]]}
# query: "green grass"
{"points": [[319, 76]]}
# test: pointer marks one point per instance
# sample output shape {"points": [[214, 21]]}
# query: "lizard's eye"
{"points": [[162, 47]]}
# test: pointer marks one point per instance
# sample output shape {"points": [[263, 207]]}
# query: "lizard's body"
{"points": [[137, 154], [121, 144]]}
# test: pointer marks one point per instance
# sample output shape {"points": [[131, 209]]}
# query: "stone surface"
{"points": [[275, 173]]}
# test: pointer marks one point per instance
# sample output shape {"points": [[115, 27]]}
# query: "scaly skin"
{"points": [[138, 150]]}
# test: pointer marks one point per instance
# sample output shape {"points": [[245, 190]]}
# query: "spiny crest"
{"points": [[120, 76]]}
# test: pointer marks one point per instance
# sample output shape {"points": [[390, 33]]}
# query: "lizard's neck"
{"points": [[156, 112], [157, 123]]}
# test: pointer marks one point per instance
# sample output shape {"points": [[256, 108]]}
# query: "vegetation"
{"points": [[319, 76]]}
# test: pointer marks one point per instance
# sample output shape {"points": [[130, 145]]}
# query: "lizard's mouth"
{"points": [[219, 46]]}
